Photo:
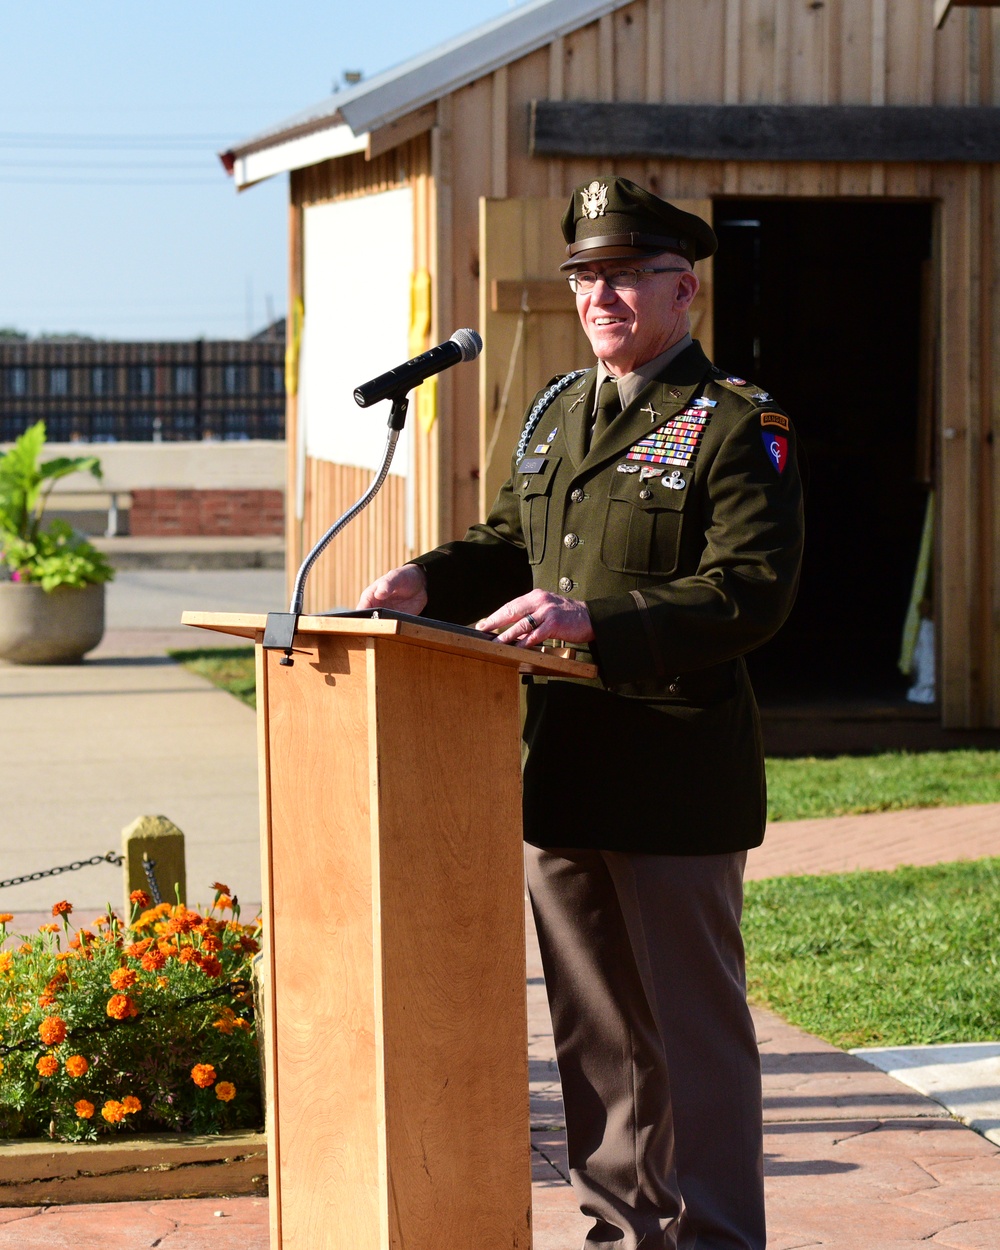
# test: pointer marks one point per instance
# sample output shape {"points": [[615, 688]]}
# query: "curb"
{"points": [[129, 1169]]}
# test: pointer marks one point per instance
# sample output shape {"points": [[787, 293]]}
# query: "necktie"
{"points": [[609, 405]]}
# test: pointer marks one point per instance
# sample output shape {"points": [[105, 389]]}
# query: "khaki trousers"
{"points": [[657, 1054]]}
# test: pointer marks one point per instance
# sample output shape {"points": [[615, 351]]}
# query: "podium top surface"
{"points": [[541, 663]]}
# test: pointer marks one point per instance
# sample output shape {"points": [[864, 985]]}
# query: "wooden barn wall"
{"points": [[740, 52], [375, 541], [782, 52]]}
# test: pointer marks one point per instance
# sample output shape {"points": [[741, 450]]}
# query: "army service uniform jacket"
{"points": [[683, 572]]}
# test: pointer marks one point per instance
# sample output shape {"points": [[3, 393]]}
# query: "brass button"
{"points": [[576, 496], [571, 541], [645, 494], [565, 584]]}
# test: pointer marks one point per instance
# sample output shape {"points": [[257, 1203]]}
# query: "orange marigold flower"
{"points": [[248, 946], [224, 902], [203, 1075], [138, 949], [52, 1030], [122, 978], [84, 1109], [131, 1104], [48, 928], [153, 960], [47, 1000], [188, 955], [163, 982], [120, 1006], [220, 888], [6, 961], [48, 1065], [57, 982], [140, 898], [210, 966], [6, 917], [211, 943], [76, 1065], [113, 1111], [24, 948], [167, 947], [62, 909], [225, 1091]]}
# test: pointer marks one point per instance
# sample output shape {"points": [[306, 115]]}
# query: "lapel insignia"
{"points": [[760, 396], [674, 393], [674, 481], [594, 199], [575, 404], [653, 414]]}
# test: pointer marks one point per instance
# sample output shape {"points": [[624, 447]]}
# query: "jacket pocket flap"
{"points": [[665, 493], [540, 482]]}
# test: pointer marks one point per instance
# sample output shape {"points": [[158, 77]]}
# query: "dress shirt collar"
{"points": [[630, 384]]}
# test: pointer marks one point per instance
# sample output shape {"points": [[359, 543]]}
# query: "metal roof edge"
{"points": [[434, 73]]}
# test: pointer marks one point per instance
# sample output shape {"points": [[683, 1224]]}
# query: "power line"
{"points": [[111, 182]]}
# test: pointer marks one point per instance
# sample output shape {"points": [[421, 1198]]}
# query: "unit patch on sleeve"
{"points": [[776, 446], [774, 418]]}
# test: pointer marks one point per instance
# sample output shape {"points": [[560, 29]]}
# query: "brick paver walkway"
{"points": [[881, 840], [854, 1160]]}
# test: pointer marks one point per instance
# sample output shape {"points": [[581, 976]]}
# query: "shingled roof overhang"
{"points": [[343, 121]]}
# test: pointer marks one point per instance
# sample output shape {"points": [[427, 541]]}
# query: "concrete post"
{"points": [[162, 841]]}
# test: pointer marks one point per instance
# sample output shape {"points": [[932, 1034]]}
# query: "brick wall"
{"points": [[163, 512]]}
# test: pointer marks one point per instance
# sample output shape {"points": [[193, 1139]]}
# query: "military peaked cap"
{"points": [[614, 219]]}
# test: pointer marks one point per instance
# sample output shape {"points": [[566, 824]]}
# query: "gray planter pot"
{"points": [[58, 627]]}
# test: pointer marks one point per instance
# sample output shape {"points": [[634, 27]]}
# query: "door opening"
{"points": [[820, 303]]}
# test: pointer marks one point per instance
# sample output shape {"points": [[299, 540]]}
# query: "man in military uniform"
{"points": [[653, 516]]}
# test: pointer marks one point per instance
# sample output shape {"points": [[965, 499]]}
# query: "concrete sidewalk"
{"points": [[854, 1159]]}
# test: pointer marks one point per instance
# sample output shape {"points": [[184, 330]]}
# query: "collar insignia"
{"points": [[595, 199]]}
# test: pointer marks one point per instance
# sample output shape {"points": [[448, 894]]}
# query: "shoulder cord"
{"points": [[538, 411]]}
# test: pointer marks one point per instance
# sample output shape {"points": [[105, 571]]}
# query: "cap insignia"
{"points": [[595, 199]]}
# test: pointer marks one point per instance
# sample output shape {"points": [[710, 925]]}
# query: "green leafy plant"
{"points": [[118, 1028], [54, 554]]}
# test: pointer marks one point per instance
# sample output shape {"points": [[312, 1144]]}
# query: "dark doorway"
{"points": [[819, 302]]}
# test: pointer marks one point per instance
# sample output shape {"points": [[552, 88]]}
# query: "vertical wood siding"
{"points": [[740, 52]]}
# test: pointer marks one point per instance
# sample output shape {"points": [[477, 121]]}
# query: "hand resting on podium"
{"points": [[527, 621], [403, 589]]}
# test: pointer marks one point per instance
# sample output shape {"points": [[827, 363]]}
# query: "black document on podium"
{"points": [[387, 614]]}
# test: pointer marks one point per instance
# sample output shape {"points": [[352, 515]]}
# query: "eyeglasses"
{"points": [[617, 279]]}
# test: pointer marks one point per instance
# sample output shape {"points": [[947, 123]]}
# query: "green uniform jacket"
{"points": [[682, 574]]}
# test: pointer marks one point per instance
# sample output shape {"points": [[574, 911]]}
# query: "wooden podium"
{"points": [[395, 1033]]}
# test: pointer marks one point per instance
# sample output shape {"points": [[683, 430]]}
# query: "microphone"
{"points": [[463, 345]]}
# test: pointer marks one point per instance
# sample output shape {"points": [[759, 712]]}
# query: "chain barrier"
{"points": [[149, 868], [111, 858]]}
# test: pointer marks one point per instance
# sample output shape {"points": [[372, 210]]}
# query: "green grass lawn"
{"points": [[849, 784], [231, 668], [880, 958]]}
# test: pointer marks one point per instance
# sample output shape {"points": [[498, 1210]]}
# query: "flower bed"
{"points": [[144, 1027]]}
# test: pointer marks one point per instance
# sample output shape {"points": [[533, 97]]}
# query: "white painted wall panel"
{"points": [[358, 258]]}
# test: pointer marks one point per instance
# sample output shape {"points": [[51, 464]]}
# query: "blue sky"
{"points": [[116, 219]]}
